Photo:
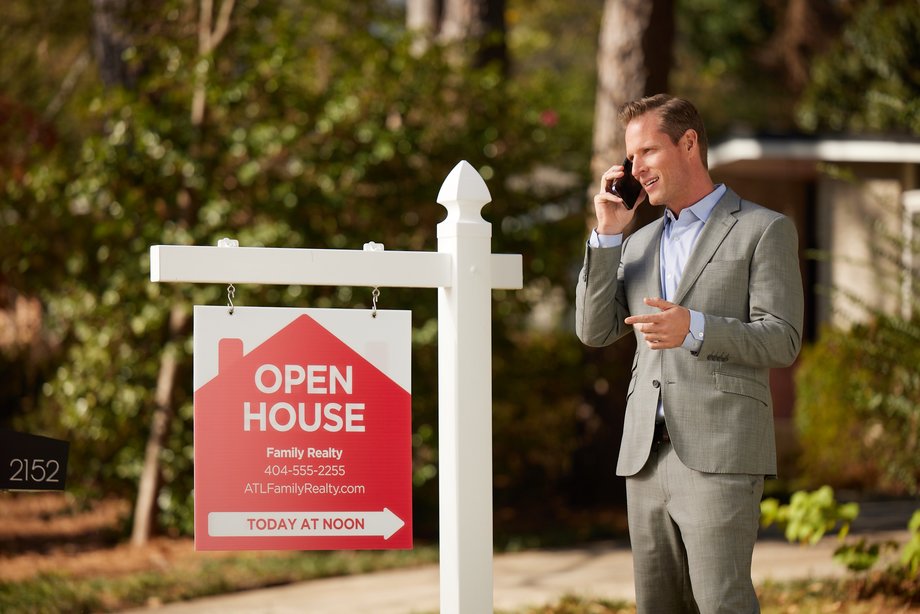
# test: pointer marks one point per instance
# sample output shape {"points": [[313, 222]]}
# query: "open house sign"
{"points": [[302, 429]]}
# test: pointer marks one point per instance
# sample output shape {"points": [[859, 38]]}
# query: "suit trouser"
{"points": [[692, 537]]}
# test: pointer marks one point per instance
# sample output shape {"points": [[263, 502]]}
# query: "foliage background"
{"points": [[323, 129]]}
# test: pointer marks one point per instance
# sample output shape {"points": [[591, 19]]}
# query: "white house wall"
{"points": [[857, 229]]}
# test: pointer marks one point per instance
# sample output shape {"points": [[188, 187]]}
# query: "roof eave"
{"points": [[816, 150]]}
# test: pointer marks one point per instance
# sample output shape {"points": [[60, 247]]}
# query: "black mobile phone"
{"points": [[626, 187]]}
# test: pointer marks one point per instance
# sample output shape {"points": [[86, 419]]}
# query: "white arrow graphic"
{"points": [[304, 524]]}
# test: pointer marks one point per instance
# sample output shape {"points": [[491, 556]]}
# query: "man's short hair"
{"points": [[676, 114]]}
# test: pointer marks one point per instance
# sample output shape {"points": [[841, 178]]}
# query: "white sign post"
{"points": [[465, 271]]}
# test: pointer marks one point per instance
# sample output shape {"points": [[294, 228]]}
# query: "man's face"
{"points": [[662, 167]]}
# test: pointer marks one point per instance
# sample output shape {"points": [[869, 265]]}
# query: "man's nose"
{"points": [[638, 166]]}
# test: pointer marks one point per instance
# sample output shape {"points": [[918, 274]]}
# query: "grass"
{"points": [[876, 593], [843, 596], [57, 593], [60, 593]]}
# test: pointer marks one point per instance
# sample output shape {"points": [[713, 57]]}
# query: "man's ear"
{"points": [[689, 140]]}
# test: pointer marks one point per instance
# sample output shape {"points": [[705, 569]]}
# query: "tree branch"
{"points": [[223, 23]]}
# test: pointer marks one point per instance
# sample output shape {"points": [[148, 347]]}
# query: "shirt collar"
{"points": [[702, 209]]}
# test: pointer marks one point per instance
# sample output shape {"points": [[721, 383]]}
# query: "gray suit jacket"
{"points": [[743, 276]]}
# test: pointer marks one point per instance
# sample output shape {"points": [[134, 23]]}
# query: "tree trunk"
{"points": [[149, 484], [423, 19], [424, 15], [210, 34], [478, 23], [111, 38], [634, 59], [807, 26]]}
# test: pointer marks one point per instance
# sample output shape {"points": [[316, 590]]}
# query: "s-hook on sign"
{"points": [[302, 429]]}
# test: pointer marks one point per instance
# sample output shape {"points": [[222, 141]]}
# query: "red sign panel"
{"points": [[302, 435]]}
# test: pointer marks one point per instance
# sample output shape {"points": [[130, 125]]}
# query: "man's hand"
{"points": [[663, 330], [612, 215]]}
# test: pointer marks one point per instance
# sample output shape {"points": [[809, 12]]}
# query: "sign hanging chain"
{"points": [[231, 292], [374, 296]]}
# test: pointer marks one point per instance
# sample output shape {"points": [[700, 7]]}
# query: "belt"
{"points": [[661, 434]]}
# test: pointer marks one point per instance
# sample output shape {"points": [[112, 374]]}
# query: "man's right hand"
{"points": [[612, 215]]}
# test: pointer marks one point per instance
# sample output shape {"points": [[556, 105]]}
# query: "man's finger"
{"points": [[659, 303], [644, 318]]}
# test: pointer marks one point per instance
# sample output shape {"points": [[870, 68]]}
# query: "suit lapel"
{"points": [[717, 226], [653, 276]]}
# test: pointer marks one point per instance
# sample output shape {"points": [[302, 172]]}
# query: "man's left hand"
{"points": [[665, 329]]}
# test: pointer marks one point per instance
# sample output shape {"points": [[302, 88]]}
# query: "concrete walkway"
{"points": [[537, 577]]}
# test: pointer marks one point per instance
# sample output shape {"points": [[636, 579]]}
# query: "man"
{"points": [[713, 292]]}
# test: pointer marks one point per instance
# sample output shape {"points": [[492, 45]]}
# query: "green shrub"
{"points": [[858, 407]]}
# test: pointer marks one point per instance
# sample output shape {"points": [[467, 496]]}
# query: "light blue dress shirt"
{"points": [[677, 241]]}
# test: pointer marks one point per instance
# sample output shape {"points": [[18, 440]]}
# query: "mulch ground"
{"points": [[44, 533]]}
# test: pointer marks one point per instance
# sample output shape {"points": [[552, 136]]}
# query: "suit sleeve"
{"points": [[772, 335], [600, 297]]}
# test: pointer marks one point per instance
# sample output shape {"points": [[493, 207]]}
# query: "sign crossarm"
{"points": [[318, 267]]}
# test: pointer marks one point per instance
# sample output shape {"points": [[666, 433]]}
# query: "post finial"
{"points": [[464, 193]]}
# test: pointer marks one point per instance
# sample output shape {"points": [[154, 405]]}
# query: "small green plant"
{"points": [[910, 554], [862, 555], [809, 515]]}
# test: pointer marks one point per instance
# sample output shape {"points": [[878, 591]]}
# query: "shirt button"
{"points": [[656, 383]]}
